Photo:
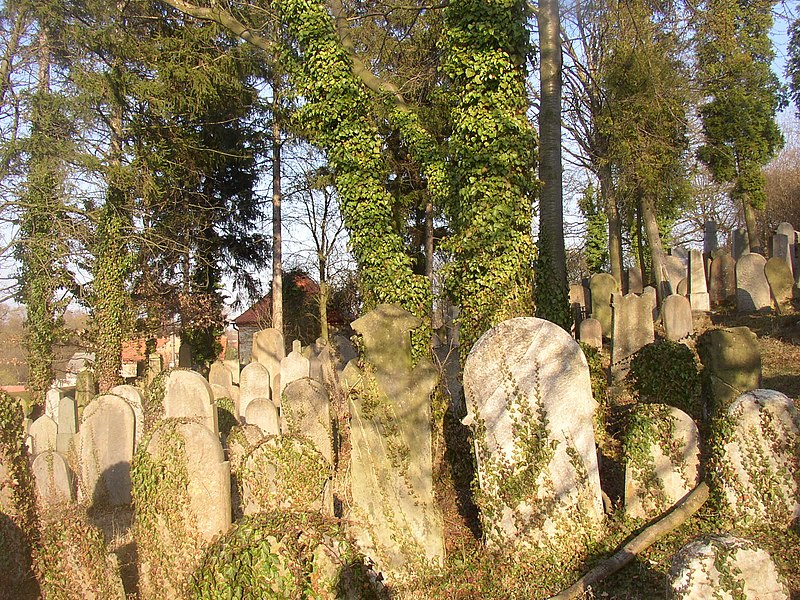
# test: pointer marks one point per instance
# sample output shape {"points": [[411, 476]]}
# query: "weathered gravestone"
{"points": [[188, 395], [283, 473], [51, 403], [580, 295], [722, 280], [662, 454], [635, 281], [155, 364], [698, 290], [54, 480], [740, 244], [183, 501], [306, 411], [758, 461], [395, 516], [67, 424], [710, 241], [752, 289], [791, 238], [725, 567], [780, 248], [185, 359], [683, 288], [262, 413], [220, 374], [134, 399], [591, 333], [731, 365], [676, 272], [254, 382], [633, 329], [530, 405], [42, 435], [781, 282], [676, 315], [603, 286], [269, 350], [85, 389], [295, 366], [105, 451]]}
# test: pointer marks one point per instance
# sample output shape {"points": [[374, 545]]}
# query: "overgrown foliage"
{"points": [[666, 372]]}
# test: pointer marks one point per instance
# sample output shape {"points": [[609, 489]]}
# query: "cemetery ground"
{"points": [[474, 571]]}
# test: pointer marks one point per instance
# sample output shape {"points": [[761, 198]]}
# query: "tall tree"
{"points": [[734, 52]]}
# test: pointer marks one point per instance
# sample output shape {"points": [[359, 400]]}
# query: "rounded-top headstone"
{"points": [[752, 288], [603, 286], [676, 314], [255, 381], [262, 413], [187, 394]]}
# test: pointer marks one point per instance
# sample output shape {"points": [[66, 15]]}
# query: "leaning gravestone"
{"points": [[105, 451], [781, 282], [722, 280], [698, 290], [262, 413], [67, 424], [633, 330], [54, 481], [295, 366], [254, 382], [752, 289], [183, 501], [591, 333], [42, 435], [530, 405], [676, 314], [722, 566], [188, 395], [394, 513], [758, 460], [731, 365], [306, 411], [134, 399], [603, 286], [662, 459]]}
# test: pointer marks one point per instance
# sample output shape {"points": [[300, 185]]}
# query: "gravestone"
{"points": [[187, 394], [85, 389], [134, 399], [722, 282], [791, 237], [217, 391], [723, 566], [530, 405], [395, 516], [53, 478], [67, 424], [105, 451], [295, 366], [185, 360], [731, 365], [662, 459], [591, 333], [698, 291], [269, 349], [155, 364], [284, 473], [306, 411], [345, 351], [676, 315], [633, 329], [51, 403], [580, 295], [649, 292], [241, 440], [758, 459], [752, 289], [710, 241], [740, 245], [635, 281], [780, 279], [676, 271], [187, 506], [683, 288], [602, 286], [42, 435], [780, 248], [254, 382], [234, 367], [262, 413], [220, 374]]}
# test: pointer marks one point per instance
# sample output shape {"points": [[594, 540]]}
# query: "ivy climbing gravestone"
{"points": [[395, 517], [306, 411], [603, 286], [632, 331], [530, 406], [731, 365]]}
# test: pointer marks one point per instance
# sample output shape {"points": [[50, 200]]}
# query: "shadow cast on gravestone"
{"points": [[17, 579], [458, 456]]}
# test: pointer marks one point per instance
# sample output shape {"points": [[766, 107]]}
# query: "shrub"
{"points": [[666, 372]]}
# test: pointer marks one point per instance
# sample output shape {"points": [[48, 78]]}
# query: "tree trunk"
{"points": [[429, 246], [640, 246], [277, 261], [656, 248], [752, 226], [614, 224]]}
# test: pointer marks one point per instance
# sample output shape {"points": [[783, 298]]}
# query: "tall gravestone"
{"points": [[395, 516], [269, 349], [262, 413], [530, 405], [722, 279], [67, 424], [293, 367], [106, 450], [188, 395], [740, 244], [633, 330], [220, 374], [306, 411], [791, 238], [698, 290], [185, 360], [710, 241], [676, 271], [85, 389], [676, 315], [254, 382], [603, 286], [752, 288], [635, 281], [780, 280], [54, 480], [51, 403], [42, 435], [134, 399], [731, 365]]}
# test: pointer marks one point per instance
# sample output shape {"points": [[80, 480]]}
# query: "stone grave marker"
{"points": [[262, 413], [758, 460], [185, 360], [53, 478], [791, 237], [134, 399], [396, 519], [780, 248], [603, 286], [241, 440], [683, 288], [295, 366], [722, 281], [662, 459], [740, 244], [306, 412], [530, 405], [155, 364], [649, 292], [591, 332], [42, 435], [234, 367], [344, 351], [731, 364], [269, 349], [676, 315], [781, 282], [580, 295], [676, 271], [752, 288], [67, 424], [710, 241], [633, 329], [187, 394], [635, 281], [217, 391], [698, 291], [105, 451], [85, 389], [723, 566], [254, 382], [51, 403], [219, 374]]}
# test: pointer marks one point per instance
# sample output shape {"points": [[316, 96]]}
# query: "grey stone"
{"points": [[344, 350], [710, 241], [53, 478], [602, 286], [676, 315], [781, 281], [698, 291], [683, 288], [649, 292], [654, 483], [633, 329], [578, 294], [188, 395], [262, 413], [269, 349], [396, 519], [220, 374], [295, 366], [740, 244], [185, 360], [42, 435], [51, 403], [780, 247], [635, 281], [134, 398], [722, 281], [306, 411], [722, 566], [254, 382], [676, 271], [752, 289], [85, 389], [105, 451], [67, 424], [591, 332], [530, 404], [731, 364], [758, 460], [234, 367]]}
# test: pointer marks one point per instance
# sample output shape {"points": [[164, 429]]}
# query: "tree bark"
{"points": [[656, 248], [614, 223], [277, 260], [752, 226]]}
